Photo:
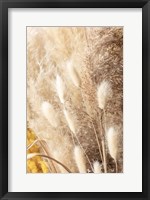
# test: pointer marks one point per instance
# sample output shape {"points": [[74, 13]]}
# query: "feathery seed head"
{"points": [[73, 74], [60, 87], [112, 140], [97, 167], [50, 114], [80, 159], [104, 92], [70, 121]]}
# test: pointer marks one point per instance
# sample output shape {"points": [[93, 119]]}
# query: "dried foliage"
{"points": [[75, 96], [34, 164]]}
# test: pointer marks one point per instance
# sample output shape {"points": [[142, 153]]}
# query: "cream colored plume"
{"points": [[50, 114], [112, 140], [80, 159], [73, 74], [97, 167], [104, 92], [60, 87], [70, 121]]}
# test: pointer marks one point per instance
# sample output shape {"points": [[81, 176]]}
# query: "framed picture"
{"points": [[74, 99]]}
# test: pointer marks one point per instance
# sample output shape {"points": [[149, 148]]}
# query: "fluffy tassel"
{"points": [[60, 87], [104, 92], [112, 139], [97, 167], [70, 121], [50, 114], [73, 74], [80, 159]]}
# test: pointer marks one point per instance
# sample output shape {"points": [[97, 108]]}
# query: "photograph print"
{"points": [[74, 99]]}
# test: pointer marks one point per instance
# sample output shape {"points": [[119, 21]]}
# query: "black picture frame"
{"points": [[4, 125]]}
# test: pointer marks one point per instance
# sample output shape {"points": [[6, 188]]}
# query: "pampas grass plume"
{"points": [[60, 87], [73, 74], [97, 167], [112, 139], [50, 114], [80, 159], [70, 121], [104, 92]]}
